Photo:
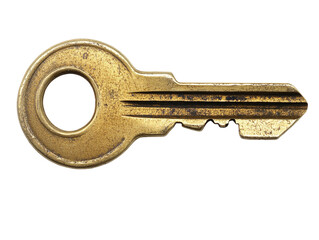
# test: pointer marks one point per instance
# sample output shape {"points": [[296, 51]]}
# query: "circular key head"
{"points": [[107, 134]]}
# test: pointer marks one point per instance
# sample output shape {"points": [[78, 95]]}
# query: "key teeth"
{"points": [[221, 122], [248, 128], [195, 124], [199, 124], [263, 128]]}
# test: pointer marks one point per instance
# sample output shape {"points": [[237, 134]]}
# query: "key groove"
{"points": [[195, 96], [202, 104], [247, 93]]}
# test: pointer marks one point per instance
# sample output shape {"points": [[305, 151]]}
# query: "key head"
{"points": [[108, 133]]}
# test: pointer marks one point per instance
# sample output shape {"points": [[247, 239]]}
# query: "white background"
{"points": [[188, 185]]}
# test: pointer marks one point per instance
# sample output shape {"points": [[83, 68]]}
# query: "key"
{"points": [[132, 103]]}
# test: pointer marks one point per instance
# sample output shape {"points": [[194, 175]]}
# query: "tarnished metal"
{"points": [[131, 103]]}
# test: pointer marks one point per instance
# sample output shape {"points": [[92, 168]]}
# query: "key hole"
{"points": [[69, 102]]}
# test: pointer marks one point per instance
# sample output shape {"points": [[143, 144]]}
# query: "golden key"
{"points": [[132, 103]]}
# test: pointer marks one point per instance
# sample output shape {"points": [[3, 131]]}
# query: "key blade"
{"points": [[263, 111]]}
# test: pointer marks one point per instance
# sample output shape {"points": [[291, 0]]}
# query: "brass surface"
{"points": [[132, 103]]}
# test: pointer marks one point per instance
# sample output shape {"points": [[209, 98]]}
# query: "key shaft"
{"points": [[214, 103], [253, 104]]}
